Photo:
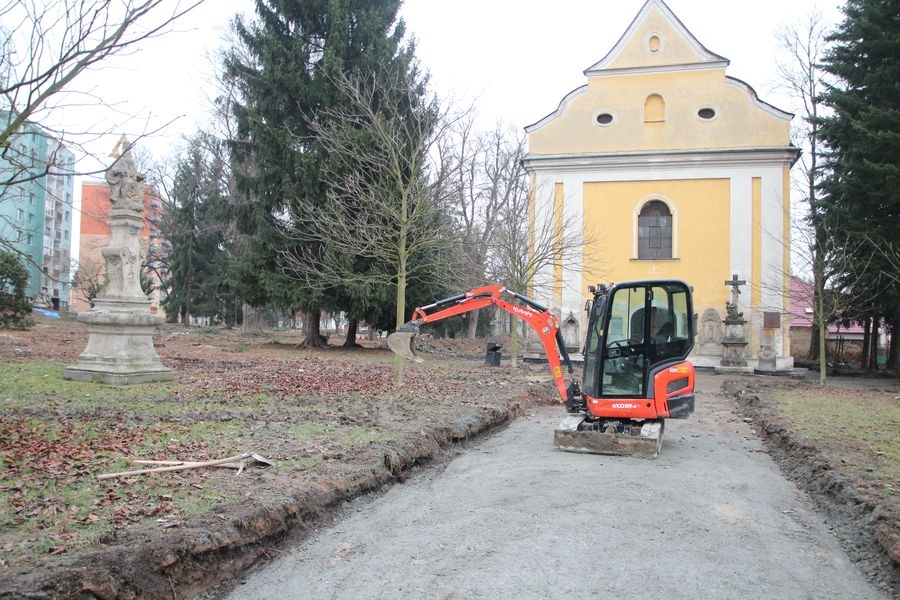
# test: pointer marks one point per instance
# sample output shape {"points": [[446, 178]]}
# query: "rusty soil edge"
{"points": [[205, 553], [870, 533]]}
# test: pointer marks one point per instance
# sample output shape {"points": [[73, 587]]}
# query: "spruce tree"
{"points": [[285, 75], [196, 229], [861, 194]]}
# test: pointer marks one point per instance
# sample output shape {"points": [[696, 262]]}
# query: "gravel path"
{"points": [[712, 517]]}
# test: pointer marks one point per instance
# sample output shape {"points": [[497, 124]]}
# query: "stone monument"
{"points": [[570, 333], [120, 345], [709, 336], [734, 342]]}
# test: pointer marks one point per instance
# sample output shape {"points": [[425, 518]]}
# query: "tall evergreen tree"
{"points": [[285, 77], [195, 227], [861, 195]]}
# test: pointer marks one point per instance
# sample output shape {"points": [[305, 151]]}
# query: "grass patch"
{"points": [[23, 382], [307, 430], [359, 436], [859, 427]]}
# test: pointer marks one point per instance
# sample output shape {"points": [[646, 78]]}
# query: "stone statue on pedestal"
{"points": [[734, 342], [126, 185], [121, 326]]}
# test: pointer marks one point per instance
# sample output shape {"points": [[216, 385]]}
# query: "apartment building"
{"points": [[36, 192]]}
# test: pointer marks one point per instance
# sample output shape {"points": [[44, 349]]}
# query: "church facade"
{"points": [[663, 166]]}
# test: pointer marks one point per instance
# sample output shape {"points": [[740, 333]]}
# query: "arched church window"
{"points": [[654, 109], [655, 231]]}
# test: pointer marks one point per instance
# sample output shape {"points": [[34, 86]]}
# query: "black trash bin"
{"points": [[492, 354]]}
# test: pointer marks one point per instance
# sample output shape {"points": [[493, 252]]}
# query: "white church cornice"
{"points": [[657, 69], [664, 160], [754, 97], [560, 110]]}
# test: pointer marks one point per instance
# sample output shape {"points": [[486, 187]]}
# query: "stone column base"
{"points": [[120, 347]]}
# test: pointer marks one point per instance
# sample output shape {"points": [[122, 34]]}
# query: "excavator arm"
{"points": [[544, 323]]}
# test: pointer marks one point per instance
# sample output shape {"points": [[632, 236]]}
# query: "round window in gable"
{"points": [[706, 113], [654, 42], [604, 118]]}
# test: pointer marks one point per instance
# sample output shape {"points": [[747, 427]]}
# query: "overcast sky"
{"points": [[515, 59]]}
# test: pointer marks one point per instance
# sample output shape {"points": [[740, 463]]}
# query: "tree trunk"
{"points": [[813, 351], [472, 325], [867, 340], [352, 328], [252, 321], [823, 354], [873, 354], [893, 361], [313, 330], [818, 280], [513, 340]]}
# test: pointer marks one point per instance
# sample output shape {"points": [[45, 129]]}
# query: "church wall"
{"points": [[726, 221], [700, 254], [740, 122]]}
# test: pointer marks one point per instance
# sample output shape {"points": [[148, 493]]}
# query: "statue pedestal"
{"points": [[120, 346], [734, 343]]}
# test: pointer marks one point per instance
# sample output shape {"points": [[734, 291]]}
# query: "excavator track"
{"points": [[575, 434]]}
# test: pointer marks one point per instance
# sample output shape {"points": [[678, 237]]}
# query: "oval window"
{"points": [[604, 118], [654, 43], [706, 113]]}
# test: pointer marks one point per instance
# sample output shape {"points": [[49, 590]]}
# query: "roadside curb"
{"points": [[208, 552], [871, 532]]}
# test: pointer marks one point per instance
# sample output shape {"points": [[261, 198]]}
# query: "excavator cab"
{"points": [[635, 369], [635, 330]]}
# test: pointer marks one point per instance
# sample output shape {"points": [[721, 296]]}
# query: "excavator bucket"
{"points": [[403, 343], [575, 434]]}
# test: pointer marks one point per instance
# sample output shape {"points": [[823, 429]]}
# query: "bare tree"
{"points": [[483, 171], [844, 284], [45, 46], [527, 244], [801, 74], [88, 278], [384, 201]]}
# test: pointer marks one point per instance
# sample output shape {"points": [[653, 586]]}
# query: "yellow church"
{"points": [[666, 167]]}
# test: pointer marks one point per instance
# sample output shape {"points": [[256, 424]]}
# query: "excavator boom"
{"points": [[402, 342]]}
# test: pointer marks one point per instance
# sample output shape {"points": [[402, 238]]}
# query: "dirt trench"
{"points": [[185, 563], [869, 530]]}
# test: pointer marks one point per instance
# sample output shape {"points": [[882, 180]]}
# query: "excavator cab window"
{"points": [[637, 328]]}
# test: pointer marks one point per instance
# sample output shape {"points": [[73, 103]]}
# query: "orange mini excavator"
{"points": [[635, 370]]}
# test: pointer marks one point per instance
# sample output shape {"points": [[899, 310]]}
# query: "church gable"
{"points": [[656, 40], [659, 90]]}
